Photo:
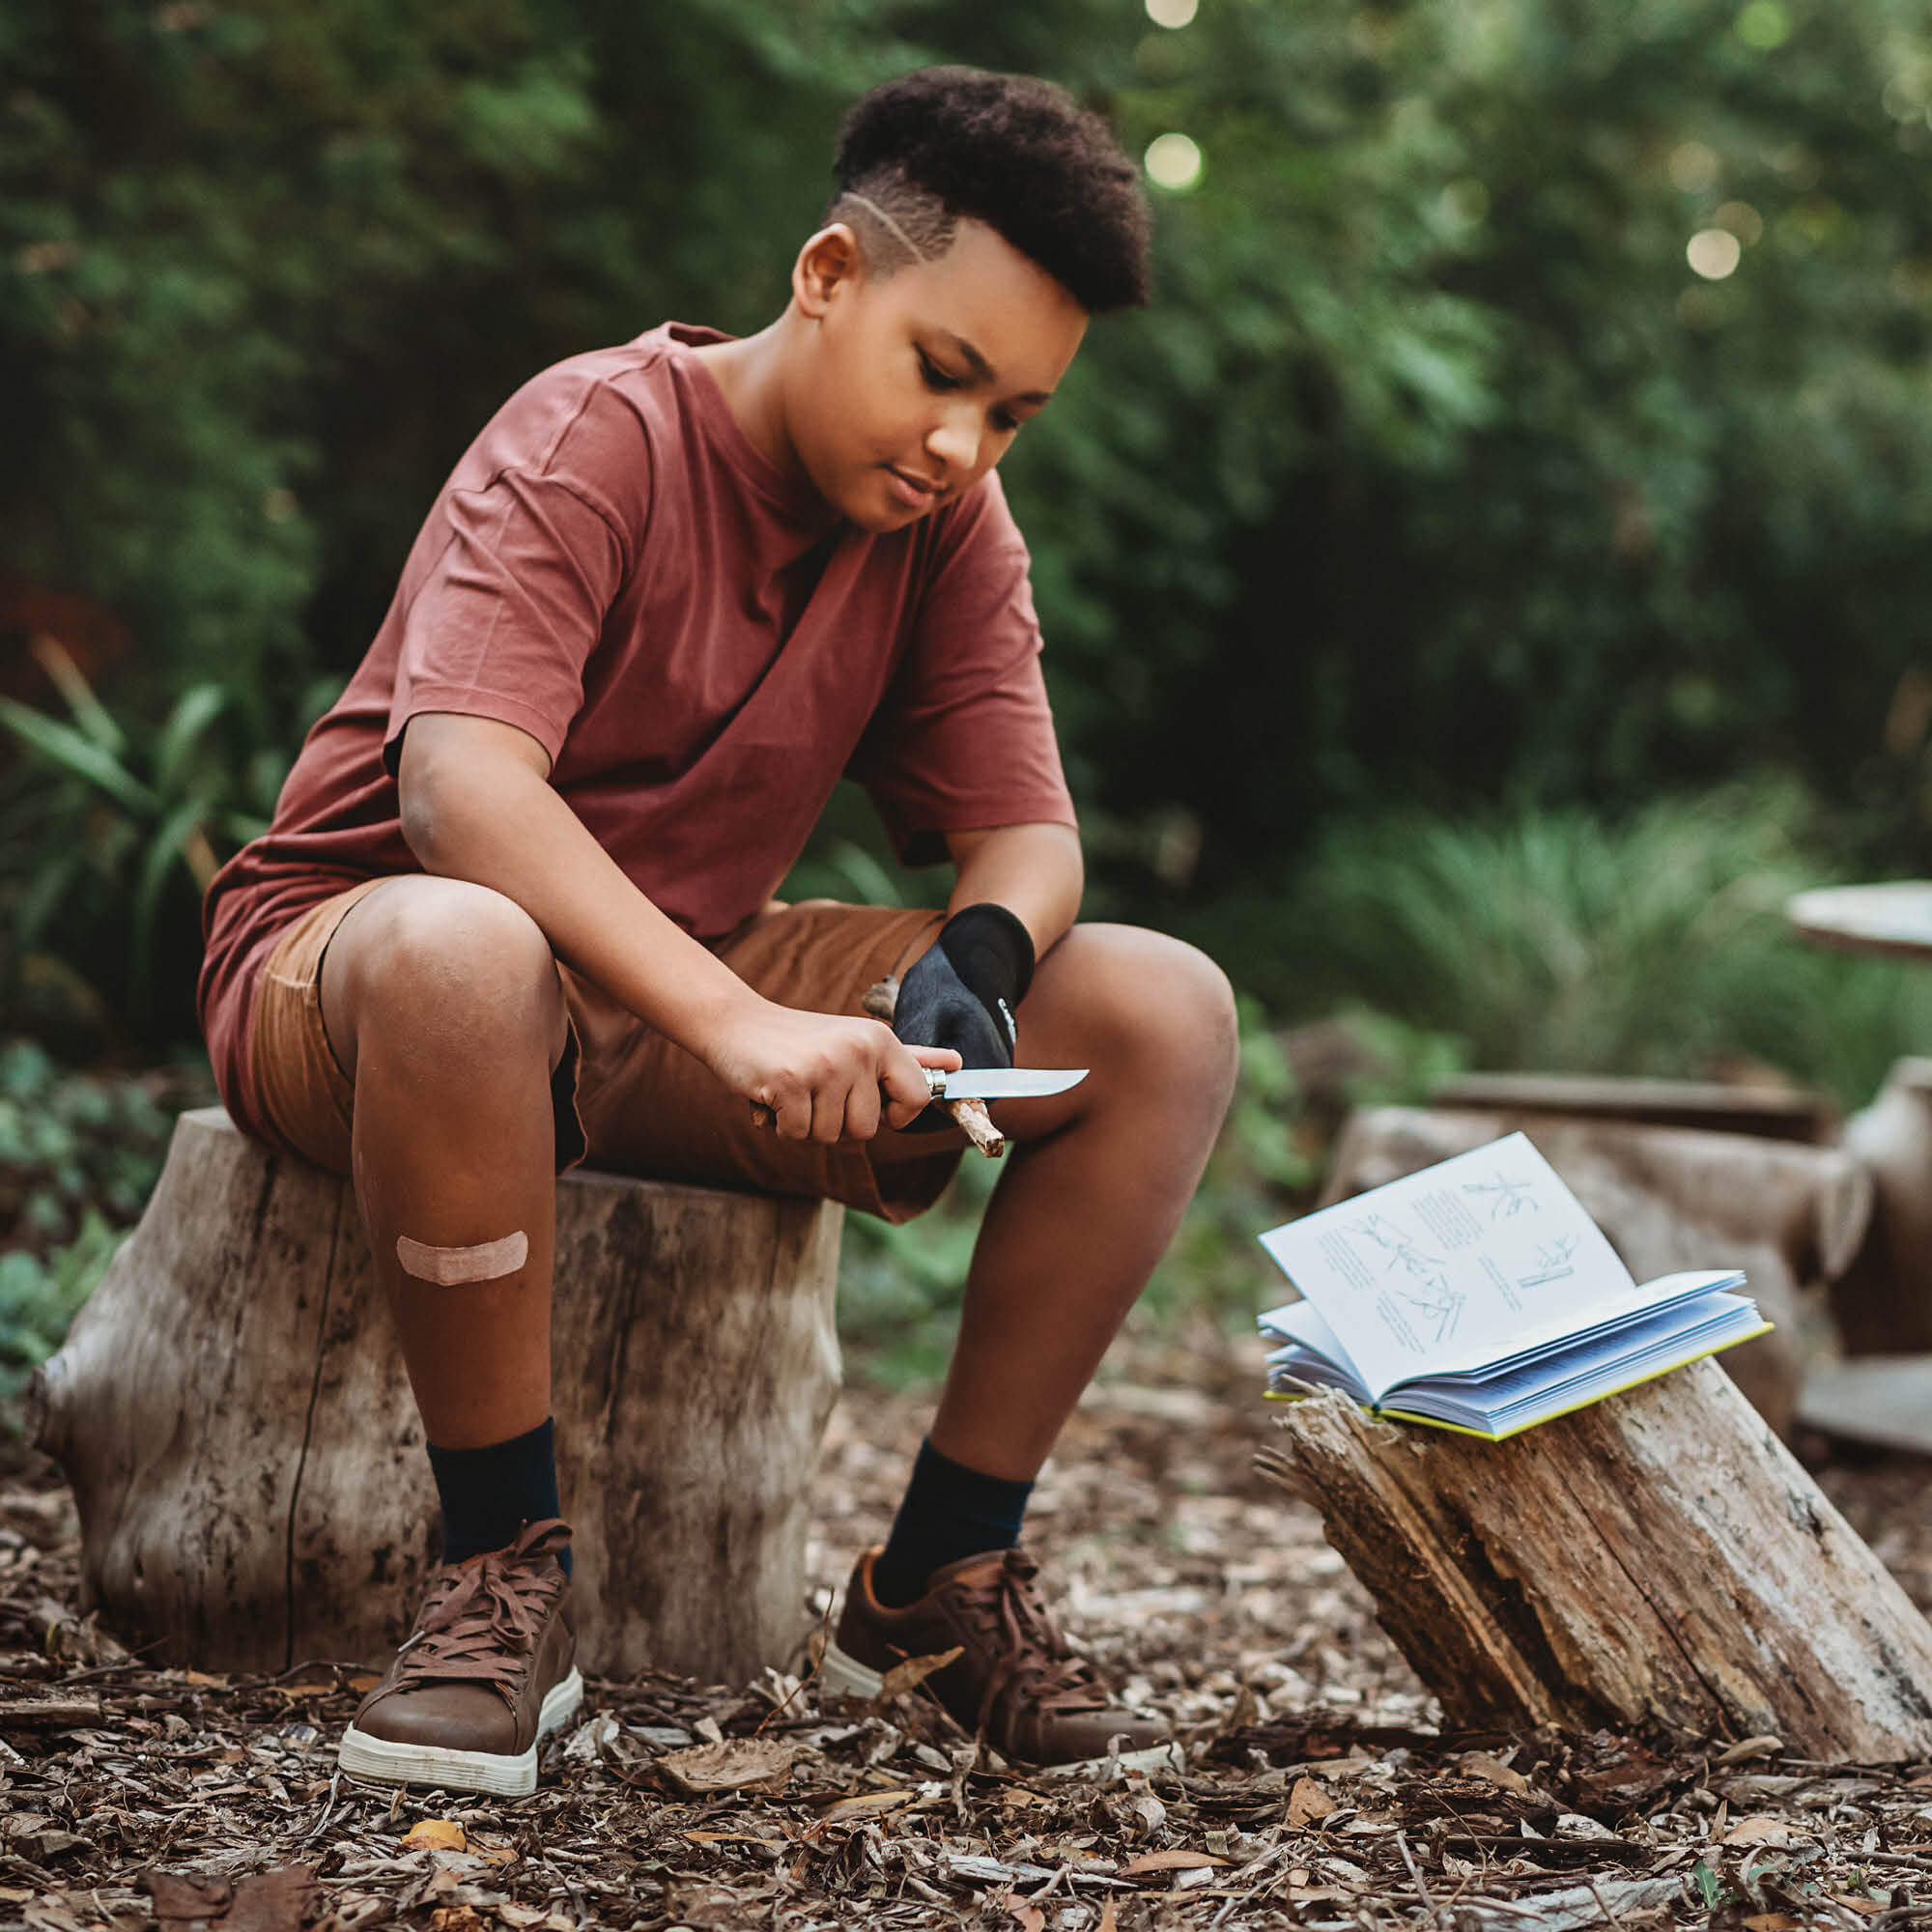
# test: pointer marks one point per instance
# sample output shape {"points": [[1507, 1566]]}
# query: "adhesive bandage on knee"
{"points": [[451, 1267]]}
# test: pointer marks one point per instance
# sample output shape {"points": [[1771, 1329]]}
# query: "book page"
{"points": [[1468, 1262]]}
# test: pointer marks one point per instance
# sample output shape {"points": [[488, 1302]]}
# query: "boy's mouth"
{"points": [[916, 492]]}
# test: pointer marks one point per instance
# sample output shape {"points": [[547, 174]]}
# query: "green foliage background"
{"points": [[1445, 583]]}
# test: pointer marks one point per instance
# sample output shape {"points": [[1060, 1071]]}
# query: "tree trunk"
{"points": [[1655, 1558], [1790, 1216], [248, 1460]]}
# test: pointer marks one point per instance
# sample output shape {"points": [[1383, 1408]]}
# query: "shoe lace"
{"points": [[1030, 1656], [481, 1621]]}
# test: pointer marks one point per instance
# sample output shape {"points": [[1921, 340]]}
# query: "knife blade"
{"points": [[1002, 1083]]}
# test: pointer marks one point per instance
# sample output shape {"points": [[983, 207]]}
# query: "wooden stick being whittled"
{"points": [[881, 1001]]}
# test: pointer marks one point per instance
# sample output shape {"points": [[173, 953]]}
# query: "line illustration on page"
{"points": [[1555, 1261], [1399, 1247], [1506, 1196]]}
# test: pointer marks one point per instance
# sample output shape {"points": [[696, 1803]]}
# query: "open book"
{"points": [[1478, 1296]]}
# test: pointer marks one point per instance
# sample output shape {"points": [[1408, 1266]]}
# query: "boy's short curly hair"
{"points": [[1022, 156]]}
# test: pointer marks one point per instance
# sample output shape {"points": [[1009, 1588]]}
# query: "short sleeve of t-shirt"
{"points": [[509, 609], [964, 738]]}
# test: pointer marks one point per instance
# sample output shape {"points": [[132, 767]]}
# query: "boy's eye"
{"points": [[936, 378], [943, 381]]}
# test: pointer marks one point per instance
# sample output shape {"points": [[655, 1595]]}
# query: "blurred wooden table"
{"points": [[1893, 918]]}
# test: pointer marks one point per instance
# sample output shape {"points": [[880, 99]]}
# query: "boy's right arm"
{"points": [[477, 803]]}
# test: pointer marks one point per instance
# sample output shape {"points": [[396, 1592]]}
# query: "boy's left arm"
{"points": [[1035, 872]]}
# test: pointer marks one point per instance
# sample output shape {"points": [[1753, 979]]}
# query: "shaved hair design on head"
{"points": [[944, 144]]}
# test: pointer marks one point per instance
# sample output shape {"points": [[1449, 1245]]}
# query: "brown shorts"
{"points": [[623, 1096]]}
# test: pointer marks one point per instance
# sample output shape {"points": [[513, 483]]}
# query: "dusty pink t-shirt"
{"points": [[699, 643]]}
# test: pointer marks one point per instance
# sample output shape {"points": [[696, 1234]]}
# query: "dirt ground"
{"points": [[1314, 1787]]}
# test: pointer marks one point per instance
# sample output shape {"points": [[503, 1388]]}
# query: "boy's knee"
{"points": [[1160, 993], [446, 957]]}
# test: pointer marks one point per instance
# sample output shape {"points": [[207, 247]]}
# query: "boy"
{"points": [[516, 908]]}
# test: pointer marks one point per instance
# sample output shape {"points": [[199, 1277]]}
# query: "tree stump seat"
{"points": [[233, 1413]]}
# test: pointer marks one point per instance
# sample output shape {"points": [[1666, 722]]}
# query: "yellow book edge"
{"points": [[1586, 1401]]}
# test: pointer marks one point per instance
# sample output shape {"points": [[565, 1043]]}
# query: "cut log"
{"points": [[1791, 1217], [1774, 1113], [1658, 1558], [234, 1416]]}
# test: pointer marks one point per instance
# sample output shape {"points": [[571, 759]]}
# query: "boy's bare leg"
{"points": [[1093, 1191], [1095, 1187], [442, 1000]]}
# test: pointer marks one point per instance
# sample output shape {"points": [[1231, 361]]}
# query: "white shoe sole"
{"points": [[388, 1762], [846, 1677]]}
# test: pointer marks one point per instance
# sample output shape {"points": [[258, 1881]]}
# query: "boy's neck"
{"points": [[749, 374]]}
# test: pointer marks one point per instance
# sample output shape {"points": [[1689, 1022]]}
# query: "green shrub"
{"points": [[1655, 944], [78, 1155], [113, 827]]}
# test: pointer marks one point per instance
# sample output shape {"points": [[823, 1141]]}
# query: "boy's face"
{"points": [[911, 387]]}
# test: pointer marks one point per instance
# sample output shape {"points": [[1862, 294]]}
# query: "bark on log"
{"points": [[1658, 1558], [1790, 1216], [248, 1460]]}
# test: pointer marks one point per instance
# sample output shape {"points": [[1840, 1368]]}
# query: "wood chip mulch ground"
{"points": [[1314, 1786]]}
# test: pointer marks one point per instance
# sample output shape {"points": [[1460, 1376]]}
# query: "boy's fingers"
{"points": [[902, 1074], [863, 1107]]}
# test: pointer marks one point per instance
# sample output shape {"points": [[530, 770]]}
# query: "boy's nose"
{"points": [[954, 438]]}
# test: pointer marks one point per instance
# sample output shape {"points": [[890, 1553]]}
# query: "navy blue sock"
{"points": [[948, 1512], [487, 1494]]}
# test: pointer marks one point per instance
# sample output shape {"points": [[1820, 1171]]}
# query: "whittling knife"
{"points": [[1002, 1083]]}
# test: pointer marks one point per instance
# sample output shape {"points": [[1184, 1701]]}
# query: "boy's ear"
{"points": [[830, 260]]}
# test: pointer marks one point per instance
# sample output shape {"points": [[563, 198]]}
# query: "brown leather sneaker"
{"points": [[487, 1672], [1015, 1683]]}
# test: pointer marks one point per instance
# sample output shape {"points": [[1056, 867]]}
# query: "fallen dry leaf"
{"points": [[864, 1804], [271, 1901], [1491, 1770], [738, 1764], [1765, 1746], [1772, 1921], [1107, 1923], [1868, 1907], [443, 1835], [1760, 1829], [180, 1897], [1024, 1913], [1306, 1802], [1170, 1861], [907, 1676]]}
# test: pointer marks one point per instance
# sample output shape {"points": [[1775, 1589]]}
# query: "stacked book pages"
{"points": [[1479, 1295]]}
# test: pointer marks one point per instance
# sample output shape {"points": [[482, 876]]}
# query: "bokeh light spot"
{"points": [[1714, 253], [1173, 163], [1691, 167], [1741, 220], [1764, 24], [1171, 13]]}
